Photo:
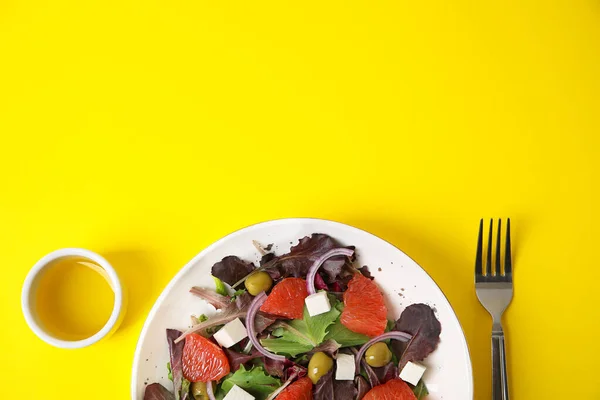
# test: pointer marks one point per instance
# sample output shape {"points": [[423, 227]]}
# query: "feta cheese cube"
{"points": [[345, 367], [237, 393], [231, 333], [412, 372], [317, 303]]}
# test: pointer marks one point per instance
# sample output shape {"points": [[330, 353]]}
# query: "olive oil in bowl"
{"points": [[73, 298]]}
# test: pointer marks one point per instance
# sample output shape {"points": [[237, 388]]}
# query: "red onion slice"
{"points": [[312, 272], [401, 336], [252, 311], [209, 391]]}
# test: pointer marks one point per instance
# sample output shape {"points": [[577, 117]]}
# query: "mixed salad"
{"points": [[307, 325]]}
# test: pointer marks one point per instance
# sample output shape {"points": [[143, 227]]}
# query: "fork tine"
{"points": [[488, 264], [479, 255], [507, 255], [498, 240]]}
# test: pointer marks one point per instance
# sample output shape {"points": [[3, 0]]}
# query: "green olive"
{"points": [[319, 364], [258, 282], [378, 355], [199, 391]]}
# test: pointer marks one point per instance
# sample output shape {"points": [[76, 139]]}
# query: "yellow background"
{"points": [[146, 130]]}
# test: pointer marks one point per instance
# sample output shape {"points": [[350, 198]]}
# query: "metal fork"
{"points": [[494, 289]]}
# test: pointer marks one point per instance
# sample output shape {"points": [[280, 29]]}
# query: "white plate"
{"points": [[402, 281]]}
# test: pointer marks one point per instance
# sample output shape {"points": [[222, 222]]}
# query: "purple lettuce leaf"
{"points": [[294, 370], [156, 391], [236, 359], [176, 354], [266, 258], [366, 272], [224, 303], [328, 388], [267, 264], [215, 299], [262, 321], [386, 373], [323, 390], [344, 389], [231, 269], [243, 301], [329, 347], [283, 369], [274, 367], [297, 262], [420, 321], [371, 375], [235, 309], [362, 387]]}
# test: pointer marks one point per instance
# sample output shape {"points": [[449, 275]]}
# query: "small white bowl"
{"points": [[28, 293]]}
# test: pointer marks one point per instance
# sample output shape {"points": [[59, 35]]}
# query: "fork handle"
{"points": [[499, 376]]}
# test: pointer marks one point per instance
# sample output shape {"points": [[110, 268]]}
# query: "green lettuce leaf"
{"points": [[420, 390], [237, 293], [301, 336], [170, 373], [221, 289], [318, 325], [390, 325], [185, 387], [286, 345], [344, 336], [254, 381]]}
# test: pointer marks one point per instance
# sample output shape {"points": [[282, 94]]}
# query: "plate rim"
{"points": [[160, 299]]}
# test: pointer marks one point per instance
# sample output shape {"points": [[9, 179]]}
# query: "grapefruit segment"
{"points": [[396, 389], [364, 310], [287, 299], [203, 360], [299, 390]]}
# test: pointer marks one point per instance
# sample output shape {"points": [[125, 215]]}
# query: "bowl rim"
{"points": [[26, 295]]}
